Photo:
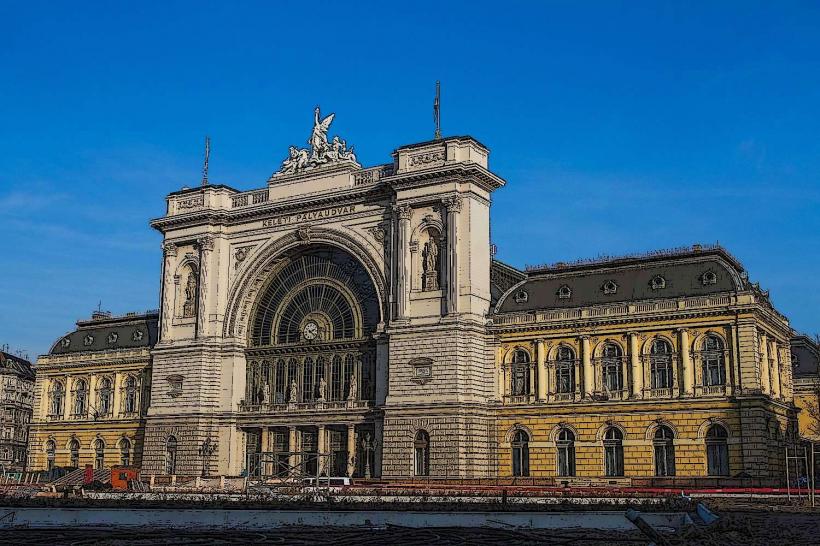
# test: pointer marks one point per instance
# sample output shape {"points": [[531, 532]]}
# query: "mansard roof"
{"points": [[805, 356], [105, 333], [14, 365], [691, 271]]}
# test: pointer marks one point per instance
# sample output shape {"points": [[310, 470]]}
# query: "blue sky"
{"points": [[620, 127]]}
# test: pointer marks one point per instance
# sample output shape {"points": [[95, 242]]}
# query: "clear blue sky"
{"points": [[619, 128]]}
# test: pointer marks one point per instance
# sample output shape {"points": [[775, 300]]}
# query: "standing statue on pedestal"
{"points": [[354, 388], [430, 254], [266, 394], [190, 296], [293, 393], [322, 389], [321, 151]]}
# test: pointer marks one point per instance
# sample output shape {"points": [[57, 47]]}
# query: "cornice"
{"points": [[449, 173]]}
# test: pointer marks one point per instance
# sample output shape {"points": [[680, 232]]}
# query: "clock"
{"points": [[310, 330]]}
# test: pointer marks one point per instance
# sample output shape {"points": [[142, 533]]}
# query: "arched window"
{"points": [[99, 454], [80, 397], [51, 452], [521, 454], [57, 396], [421, 453], [74, 453], [130, 401], [521, 373], [664, 451], [565, 443], [171, 455], [308, 387], [565, 370], [125, 452], [336, 379], [660, 364], [613, 452], [611, 368], [104, 396], [281, 387], [717, 451], [712, 361]]}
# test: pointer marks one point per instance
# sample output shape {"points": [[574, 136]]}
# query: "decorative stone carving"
{"points": [[354, 388], [304, 234], [322, 389], [188, 307], [169, 249], [206, 243], [65, 343], [293, 392], [379, 233], [453, 203], [321, 152], [426, 158], [521, 296], [403, 212], [112, 338], [240, 254], [88, 340], [191, 203], [138, 335]]}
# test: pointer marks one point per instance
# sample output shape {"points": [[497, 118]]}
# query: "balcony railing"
{"points": [[713, 389], [660, 393], [305, 406], [249, 198]]}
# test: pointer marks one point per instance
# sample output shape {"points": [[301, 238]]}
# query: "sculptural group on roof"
{"points": [[321, 152]]}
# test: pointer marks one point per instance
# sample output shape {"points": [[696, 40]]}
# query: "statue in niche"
{"points": [[351, 395], [293, 392], [322, 389], [266, 394], [430, 264], [190, 296]]}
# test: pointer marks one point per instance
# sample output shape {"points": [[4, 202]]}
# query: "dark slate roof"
{"points": [[681, 269], [104, 333], [502, 277], [16, 365], [805, 356]]}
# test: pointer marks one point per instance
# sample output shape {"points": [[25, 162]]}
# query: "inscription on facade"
{"points": [[322, 214]]}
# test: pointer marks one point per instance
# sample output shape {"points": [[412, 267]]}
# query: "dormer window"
{"points": [[88, 340], [521, 296], [610, 287], [565, 292], [658, 282], [708, 278]]}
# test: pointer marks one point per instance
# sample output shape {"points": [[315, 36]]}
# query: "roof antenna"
{"points": [[207, 156], [437, 110]]}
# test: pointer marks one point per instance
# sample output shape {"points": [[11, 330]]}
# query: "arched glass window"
{"points": [[421, 453], [664, 446], [99, 454], [336, 379], [611, 367], [565, 370], [717, 451], [74, 453], [712, 361], [281, 387], [565, 443], [660, 364], [520, 373], [51, 452], [125, 452], [521, 454], [613, 452], [57, 398], [104, 395], [80, 397], [130, 401], [171, 455], [308, 387]]}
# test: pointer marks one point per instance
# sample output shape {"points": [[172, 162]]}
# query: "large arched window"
{"points": [[565, 444], [613, 452], [664, 447], [712, 362], [57, 397], [717, 451], [171, 455], [105, 394], [80, 397], [130, 401], [125, 452], [51, 452], [421, 453], [611, 368], [521, 454], [565, 371], [74, 453], [520, 373], [99, 454], [660, 364]]}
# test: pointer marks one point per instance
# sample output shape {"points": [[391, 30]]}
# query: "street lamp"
{"points": [[369, 444], [205, 451]]}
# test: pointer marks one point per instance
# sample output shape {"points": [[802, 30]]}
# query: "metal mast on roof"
{"points": [[205, 164], [437, 110]]}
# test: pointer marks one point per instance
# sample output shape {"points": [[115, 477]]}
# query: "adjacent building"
{"points": [[92, 394], [16, 400]]}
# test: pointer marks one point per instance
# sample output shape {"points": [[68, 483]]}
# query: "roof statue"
{"points": [[321, 152]]}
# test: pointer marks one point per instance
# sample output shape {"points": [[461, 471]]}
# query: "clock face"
{"points": [[310, 331]]}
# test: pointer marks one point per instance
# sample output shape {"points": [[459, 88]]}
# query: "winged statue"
{"points": [[322, 152]]}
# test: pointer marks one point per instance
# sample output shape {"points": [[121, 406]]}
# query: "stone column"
{"points": [[403, 213], [351, 449], [91, 400], [292, 460], [687, 367], [586, 360], [541, 358], [776, 388], [264, 445], [117, 395], [635, 365], [321, 448], [206, 246], [765, 380], [169, 251], [453, 204], [377, 455], [68, 398]]}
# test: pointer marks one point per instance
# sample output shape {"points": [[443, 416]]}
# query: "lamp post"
{"points": [[205, 451], [369, 444]]}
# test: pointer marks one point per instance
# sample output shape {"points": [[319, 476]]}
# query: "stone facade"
{"points": [[16, 401]]}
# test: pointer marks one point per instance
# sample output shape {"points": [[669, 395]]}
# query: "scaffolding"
{"points": [[800, 471]]}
